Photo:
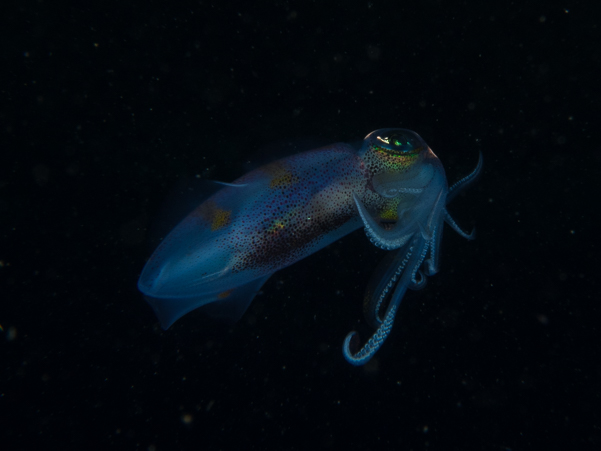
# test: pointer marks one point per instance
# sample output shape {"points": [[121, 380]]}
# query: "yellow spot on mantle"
{"points": [[221, 218], [224, 294], [282, 181], [281, 176]]}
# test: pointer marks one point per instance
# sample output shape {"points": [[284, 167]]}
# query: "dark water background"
{"points": [[106, 107]]}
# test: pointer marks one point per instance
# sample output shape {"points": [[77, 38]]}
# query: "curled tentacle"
{"points": [[407, 263], [373, 344], [413, 282], [420, 282]]}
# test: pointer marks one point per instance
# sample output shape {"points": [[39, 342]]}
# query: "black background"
{"points": [[106, 108]]}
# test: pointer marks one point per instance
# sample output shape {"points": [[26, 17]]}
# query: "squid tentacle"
{"points": [[450, 221], [373, 344], [466, 181]]}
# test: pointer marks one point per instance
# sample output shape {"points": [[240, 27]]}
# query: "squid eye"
{"points": [[396, 142], [400, 142]]}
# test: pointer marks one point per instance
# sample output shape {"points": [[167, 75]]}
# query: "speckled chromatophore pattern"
{"points": [[224, 251]]}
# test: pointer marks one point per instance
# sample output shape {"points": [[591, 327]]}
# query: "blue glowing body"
{"points": [[225, 250]]}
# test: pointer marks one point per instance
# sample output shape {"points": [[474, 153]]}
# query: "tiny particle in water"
{"points": [[187, 419]]}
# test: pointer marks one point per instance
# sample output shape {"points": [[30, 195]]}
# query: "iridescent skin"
{"points": [[225, 250]]}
